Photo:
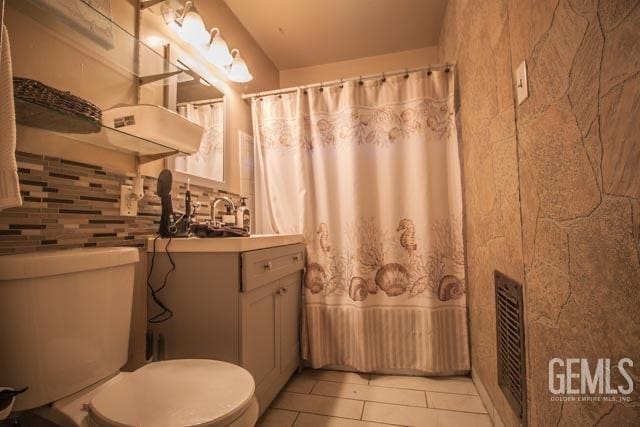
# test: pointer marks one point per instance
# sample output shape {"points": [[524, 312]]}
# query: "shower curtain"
{"points": [[207, 162], [369, 173]]}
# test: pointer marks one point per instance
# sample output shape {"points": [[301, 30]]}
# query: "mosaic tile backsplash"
{"points": [[68, 204]]}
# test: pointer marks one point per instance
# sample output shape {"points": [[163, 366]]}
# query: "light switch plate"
{"points": [[522, 86], [128, 204]]}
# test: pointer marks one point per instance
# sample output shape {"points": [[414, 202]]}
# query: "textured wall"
{"points": [[551, 187], [477, 39]]}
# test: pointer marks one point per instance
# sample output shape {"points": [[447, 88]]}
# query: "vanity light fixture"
{"points": [[238, 70], [218, 51], [192, 29]]}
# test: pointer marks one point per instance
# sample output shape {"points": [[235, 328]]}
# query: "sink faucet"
{"points": [[214, 206]]}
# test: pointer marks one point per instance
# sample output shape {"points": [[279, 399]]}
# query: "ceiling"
{"points": [[301, 33]]}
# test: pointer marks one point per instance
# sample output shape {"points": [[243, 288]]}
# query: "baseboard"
{"points": [[486, 400]]}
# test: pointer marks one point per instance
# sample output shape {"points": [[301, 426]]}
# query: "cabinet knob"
{"points": [[282, 291], [296, 257], [267, 266]]}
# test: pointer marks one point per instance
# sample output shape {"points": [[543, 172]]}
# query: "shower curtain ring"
{"points": [[406, 73], [341, 83], [360, 82], [384, 78], [321, 88], [429, 72]]}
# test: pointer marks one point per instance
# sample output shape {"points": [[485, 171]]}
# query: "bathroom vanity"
{"points": [[233, 299]]}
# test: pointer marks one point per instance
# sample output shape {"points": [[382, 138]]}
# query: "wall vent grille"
{"points": [[511, 343]]}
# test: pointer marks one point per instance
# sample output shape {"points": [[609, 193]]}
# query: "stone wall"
{"points": [[552, 186]]}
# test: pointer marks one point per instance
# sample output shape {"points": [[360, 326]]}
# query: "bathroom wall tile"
{"points": [[277, 418], [28, 166], [423, 417], [312, 420], [321, 405], [460, 385], [371, 393], [456, 402], [69, 204]]}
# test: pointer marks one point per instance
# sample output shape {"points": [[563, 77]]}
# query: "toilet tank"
{"points": [[64, 320]]}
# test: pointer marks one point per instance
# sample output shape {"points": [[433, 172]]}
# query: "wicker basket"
{"points": [[44, 107]]}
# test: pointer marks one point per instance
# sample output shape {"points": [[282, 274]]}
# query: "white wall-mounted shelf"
{"points": [[90, 34], [145, 150]]}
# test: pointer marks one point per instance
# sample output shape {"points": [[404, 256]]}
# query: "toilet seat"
{"points": [[187, 392]]}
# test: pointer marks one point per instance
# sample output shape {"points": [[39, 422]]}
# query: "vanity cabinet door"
{"points": [[260, 325], [289, 306]]}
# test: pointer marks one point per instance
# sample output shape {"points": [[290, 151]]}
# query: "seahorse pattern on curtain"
{"points": [[369, 173]]}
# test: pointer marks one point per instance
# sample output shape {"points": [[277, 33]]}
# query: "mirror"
{"points": [[197, 94], [205, 105]]}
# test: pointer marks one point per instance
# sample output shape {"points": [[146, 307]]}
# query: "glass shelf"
{"points": [[94, 33], [81, 30], [111, 138]]}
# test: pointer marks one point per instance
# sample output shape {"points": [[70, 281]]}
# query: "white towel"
{"points": [[9, 185]]}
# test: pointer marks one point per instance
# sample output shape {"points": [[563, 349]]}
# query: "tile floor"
{"points": [[345, 399]]}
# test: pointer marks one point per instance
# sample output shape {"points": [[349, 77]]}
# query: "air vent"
{"points": [[510, 339]]}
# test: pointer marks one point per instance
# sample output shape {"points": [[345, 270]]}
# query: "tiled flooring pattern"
{"points": [[346, 399]]}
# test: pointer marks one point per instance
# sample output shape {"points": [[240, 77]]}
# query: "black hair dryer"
{"points": [[165, 180]]}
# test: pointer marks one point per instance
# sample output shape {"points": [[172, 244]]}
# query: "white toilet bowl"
{"points": [[187, 392]]}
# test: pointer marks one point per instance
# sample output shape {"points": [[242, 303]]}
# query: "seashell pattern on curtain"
{"points": [[370, 175], [436, 271]]}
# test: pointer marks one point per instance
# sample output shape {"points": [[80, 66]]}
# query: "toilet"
{"points": [[64, 332]]}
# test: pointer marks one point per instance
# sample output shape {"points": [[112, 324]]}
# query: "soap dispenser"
{"points": [[243, 216]]}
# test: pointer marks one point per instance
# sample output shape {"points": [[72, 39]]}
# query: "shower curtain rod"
{"points": [[431, 67], [201, 102]]}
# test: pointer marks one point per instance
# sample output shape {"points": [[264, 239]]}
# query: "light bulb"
{"points": [[192, 29], [218, 53], [238, 70]]}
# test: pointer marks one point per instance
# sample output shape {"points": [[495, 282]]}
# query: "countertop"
{"points": [[225, 244]]}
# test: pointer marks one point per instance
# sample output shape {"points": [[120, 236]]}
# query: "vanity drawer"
{"points": [[266, 265]]}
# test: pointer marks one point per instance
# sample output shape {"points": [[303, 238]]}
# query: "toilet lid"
{"points": [[188, 392]]}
